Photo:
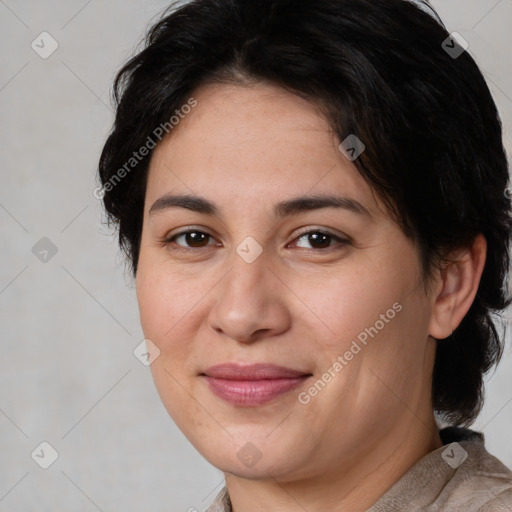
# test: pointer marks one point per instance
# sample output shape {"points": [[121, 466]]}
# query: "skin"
{"points": [[298, 305]]}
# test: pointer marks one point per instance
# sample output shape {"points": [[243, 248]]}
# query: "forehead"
{"points": [[256, 141]]}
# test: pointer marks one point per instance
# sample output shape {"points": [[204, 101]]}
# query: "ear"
{"points": [[457, 287]]}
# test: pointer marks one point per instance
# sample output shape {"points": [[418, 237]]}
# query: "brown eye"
{"points": [[318, 240], [192, 238]]}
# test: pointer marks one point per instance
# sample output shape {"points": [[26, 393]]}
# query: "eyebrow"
{"points": [[283, 209]]}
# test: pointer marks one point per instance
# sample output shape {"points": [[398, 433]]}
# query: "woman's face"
{"points": [[324, 295]]}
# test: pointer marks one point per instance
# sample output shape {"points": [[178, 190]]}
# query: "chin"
{"points": [[254, 456]]}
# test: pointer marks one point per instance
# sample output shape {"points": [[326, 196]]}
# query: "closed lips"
{"points": [[232, 371], [252, 385]]}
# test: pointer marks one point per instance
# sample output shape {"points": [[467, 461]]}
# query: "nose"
{"points": [[249, 303]]}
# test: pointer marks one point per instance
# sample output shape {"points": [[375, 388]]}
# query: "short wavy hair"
{"points": [[380, 69]]}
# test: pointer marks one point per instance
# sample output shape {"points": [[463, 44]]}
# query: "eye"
{"points": [[319, 240], [190, 239], [196, 239]]}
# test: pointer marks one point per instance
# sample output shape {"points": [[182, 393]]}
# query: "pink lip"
{"points": [[252, 385]]}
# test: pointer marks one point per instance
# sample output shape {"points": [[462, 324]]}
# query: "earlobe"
{"points": [[459, 282]]}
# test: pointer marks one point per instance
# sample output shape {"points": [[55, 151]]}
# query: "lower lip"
{"points": [[249, 393]]}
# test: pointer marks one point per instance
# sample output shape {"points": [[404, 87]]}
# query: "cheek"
{"points": [[167, 317], [347, 305], [168, 306], [160, 287]]}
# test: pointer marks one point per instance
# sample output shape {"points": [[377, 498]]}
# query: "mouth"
{"points": [[252, 385]]}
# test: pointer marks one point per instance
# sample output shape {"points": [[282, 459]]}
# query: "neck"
{"points": [[355, 486]]}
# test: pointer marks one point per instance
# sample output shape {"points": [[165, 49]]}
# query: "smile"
{"points": [[252, 385]]}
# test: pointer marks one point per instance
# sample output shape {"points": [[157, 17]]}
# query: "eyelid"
{"points": [[168, 238], [187, 229], [184, 230], [318, 229]]}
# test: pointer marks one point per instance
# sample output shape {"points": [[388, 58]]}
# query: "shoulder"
{"points": [[500, 503], [460, 476], [222, 503], [480, 482]]}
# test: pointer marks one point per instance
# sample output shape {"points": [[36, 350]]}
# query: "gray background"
{"points": [[68, 375]]}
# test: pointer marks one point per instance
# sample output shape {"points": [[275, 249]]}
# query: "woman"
{"points": [[312, 198]]}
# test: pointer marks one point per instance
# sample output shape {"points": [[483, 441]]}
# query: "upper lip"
{"points": [[261, 371]]}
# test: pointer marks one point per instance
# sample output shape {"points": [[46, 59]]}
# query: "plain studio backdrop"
{"points": [[69, 318]]}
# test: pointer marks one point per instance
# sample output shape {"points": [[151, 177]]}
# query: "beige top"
{"points": [[459, 476]]}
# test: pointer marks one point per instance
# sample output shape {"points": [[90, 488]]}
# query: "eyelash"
{"points": [[170, 241]]}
